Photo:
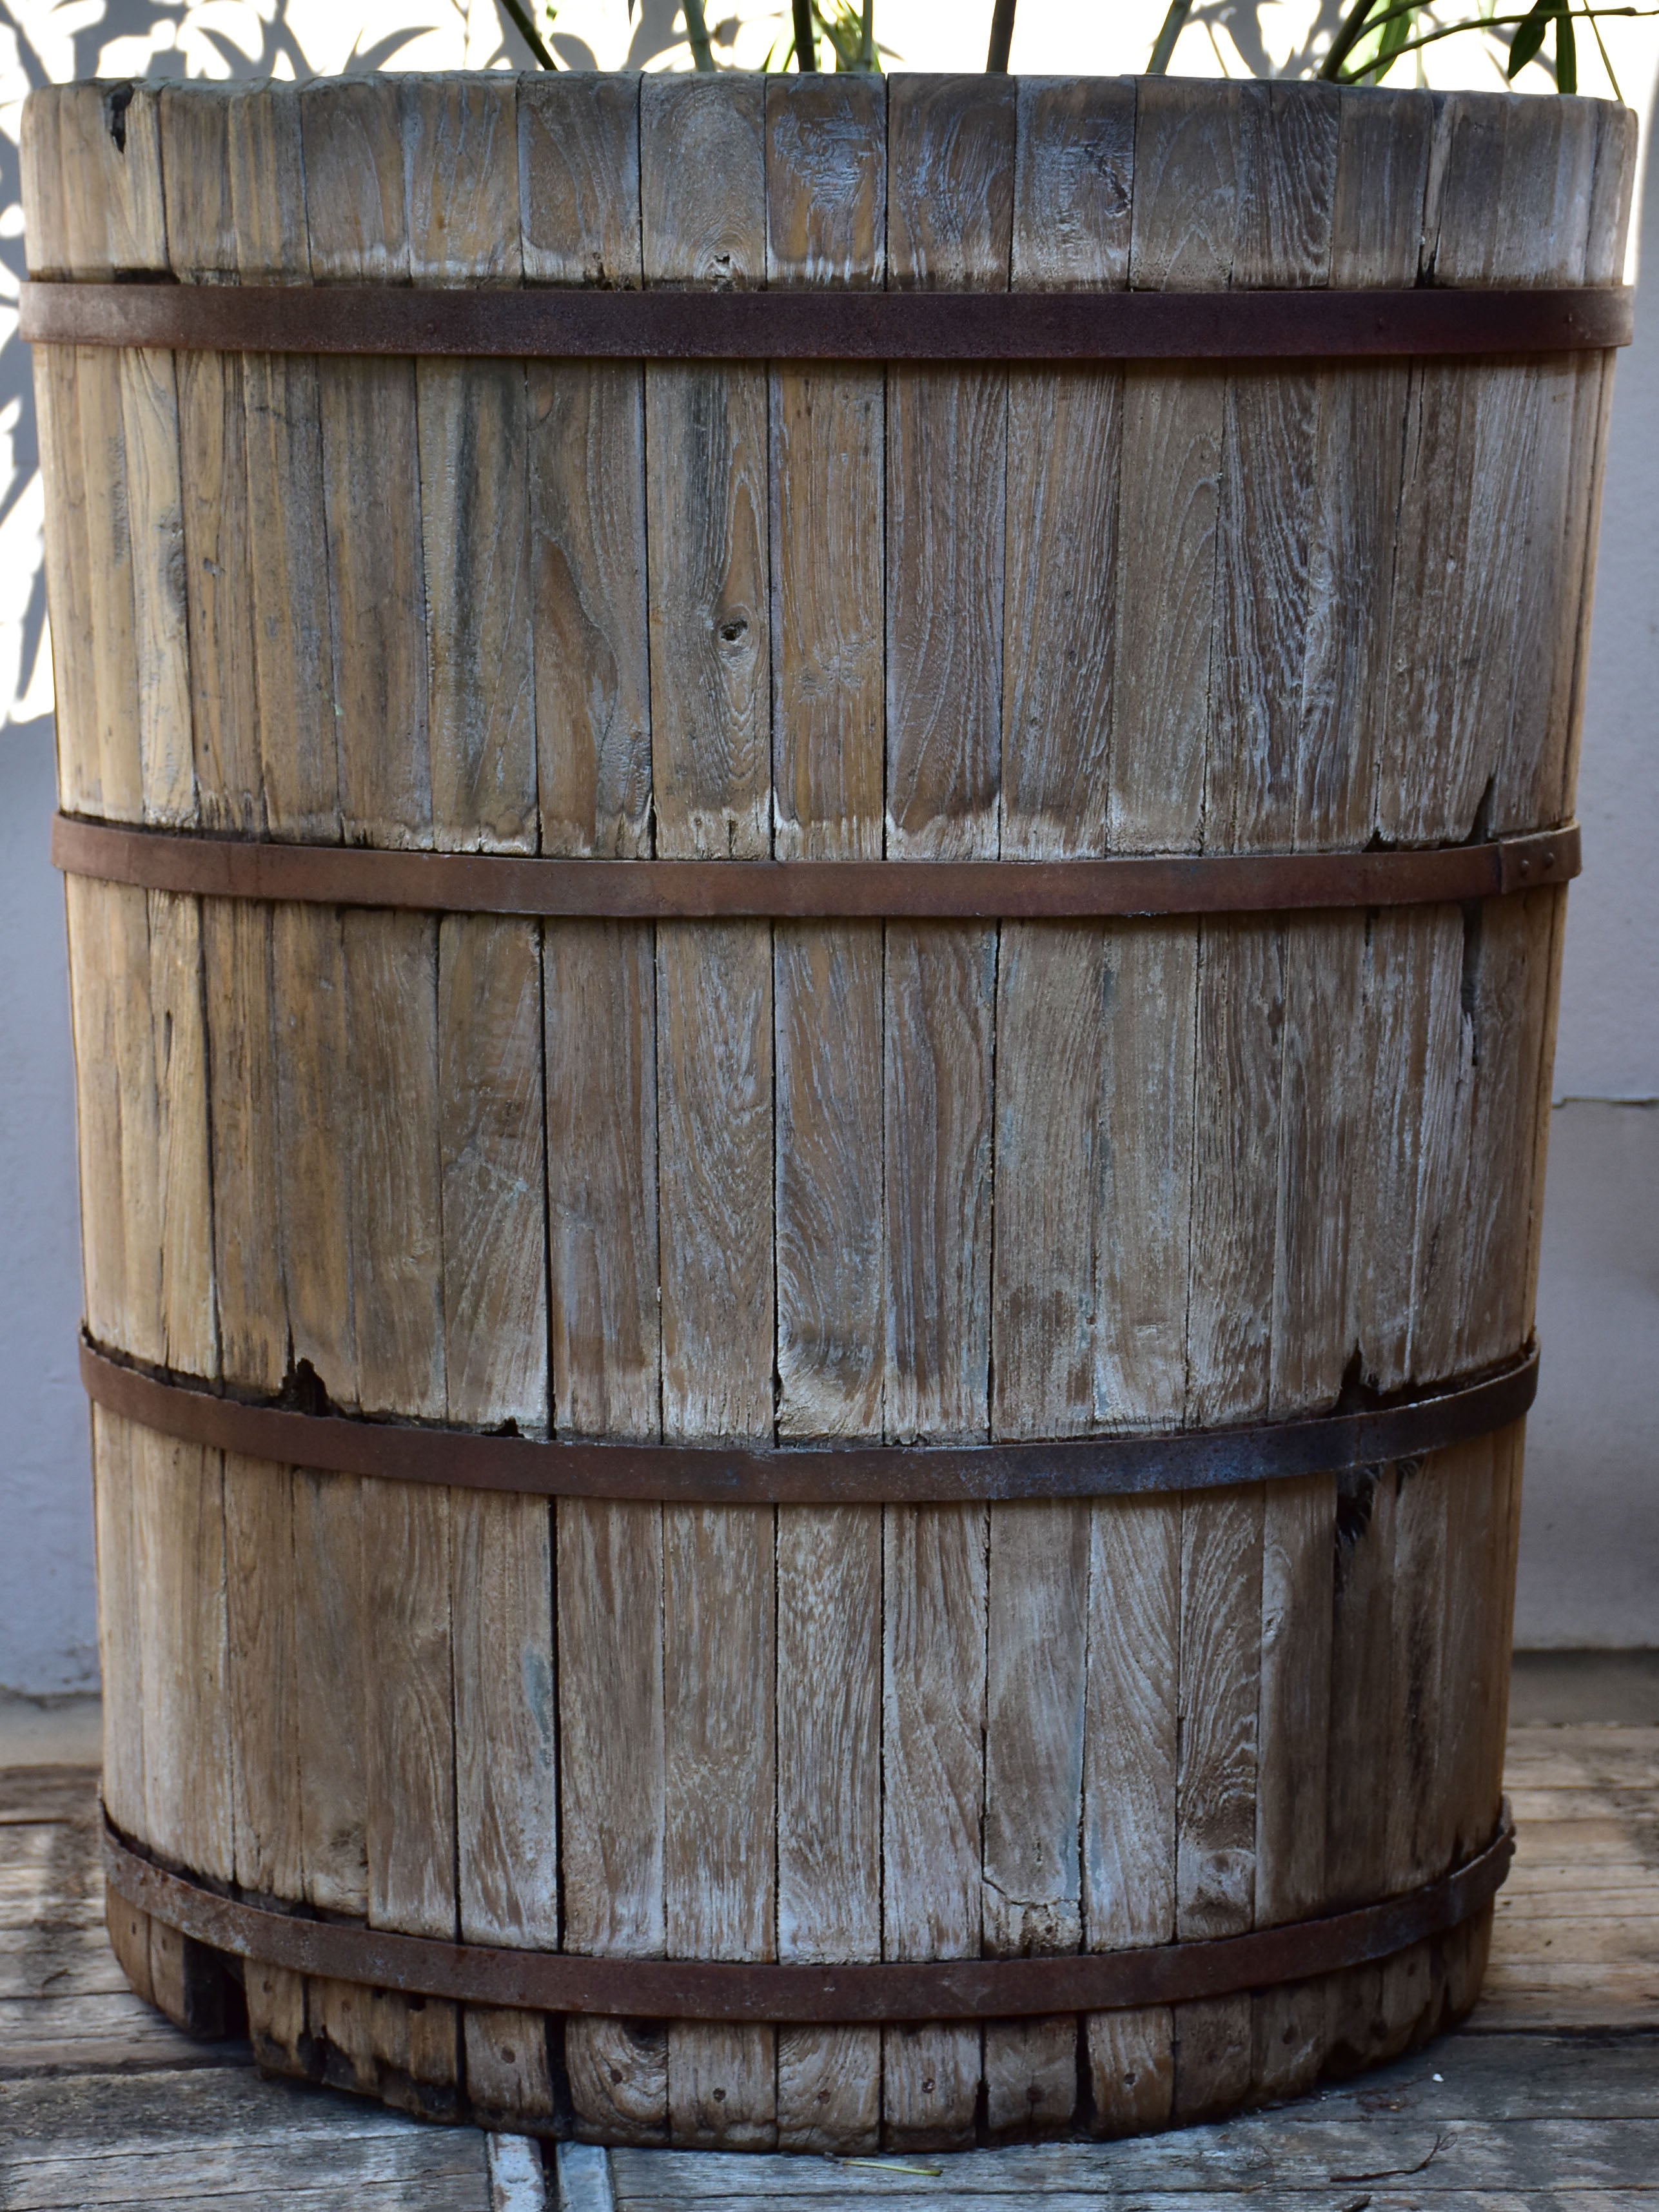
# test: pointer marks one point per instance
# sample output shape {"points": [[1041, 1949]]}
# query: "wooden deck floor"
{"points": [[1548, 2100]]}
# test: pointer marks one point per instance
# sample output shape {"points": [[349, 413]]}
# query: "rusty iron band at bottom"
{"points": [[1126, 885], [733, 1473], [673, 1989]]}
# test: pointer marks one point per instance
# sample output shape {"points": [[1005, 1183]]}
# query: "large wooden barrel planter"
{"points": [[812, 1038]]}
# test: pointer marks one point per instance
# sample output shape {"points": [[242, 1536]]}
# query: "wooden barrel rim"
{"points": [[504, 883], [804, 1474], [948, 1989], [827, 325]]}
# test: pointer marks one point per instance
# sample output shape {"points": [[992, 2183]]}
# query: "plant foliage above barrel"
{"points": [[874, 1515], [1362, 45]]}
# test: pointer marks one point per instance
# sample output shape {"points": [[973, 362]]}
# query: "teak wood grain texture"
{"points": [[814, 1180]]}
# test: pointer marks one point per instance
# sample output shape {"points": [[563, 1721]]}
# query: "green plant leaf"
{"points": [[1171, 28], [1394, 35], [1529, 38], [849, 34], [1337, 67], [1566, 54], [519, 16], [697, 35], [1378, 46], [1352, 73]]}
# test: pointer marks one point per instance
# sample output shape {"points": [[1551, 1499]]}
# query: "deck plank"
{"points": [[923, 2200], [1296, 2150], [225, 2135]]}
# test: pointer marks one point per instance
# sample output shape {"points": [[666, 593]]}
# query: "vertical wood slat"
{"points": [[178, 1490], [1604, 263], [1071, 228], [201, 177], [1131, 1746], [1472, 1207], [297, 695], [1411, 1983], [1484, 1723], [706, 509], [1184, 214], [1409, 1993], [113, 223], [495, 1219], [1356, 1811], [1384, 139], [1528, 482], [1512, 695], [1508, 202], [1383, 171], [1184, 188], [1143, 1244], [1186, 185], [826, 204], [460, 150], [283, 1297], [161, 1517], [218, 590], [57, 409], [461, 178], [579, 160], [293, 685], [1434, 515], [950, 143], [121, 1661], [580, 213], [357, 225], [110, 208], [1271, 518], [601, 1100], [1236, 1675], [1410, 1077], [1381, 177]]}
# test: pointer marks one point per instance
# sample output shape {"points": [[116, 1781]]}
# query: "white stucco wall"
{"points": [[1590, 1525], [47, 1637], [1608, 1046], [1590, 1543]]}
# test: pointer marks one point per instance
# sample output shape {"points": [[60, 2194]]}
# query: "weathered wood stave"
{"points": [[1001, 1187]]}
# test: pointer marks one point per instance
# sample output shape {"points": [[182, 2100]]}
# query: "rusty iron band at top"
{"points": [[672, 1989], [826, 323], [737, 1473], [1014, 891]]}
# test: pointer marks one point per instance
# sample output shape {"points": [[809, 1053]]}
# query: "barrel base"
{"points": [[198, 1989], [473, 2065]]}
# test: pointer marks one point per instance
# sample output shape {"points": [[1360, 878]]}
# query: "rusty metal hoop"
{"points": [[1013, 890], [673, 1989], [805, 1475], [824, 324]]}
